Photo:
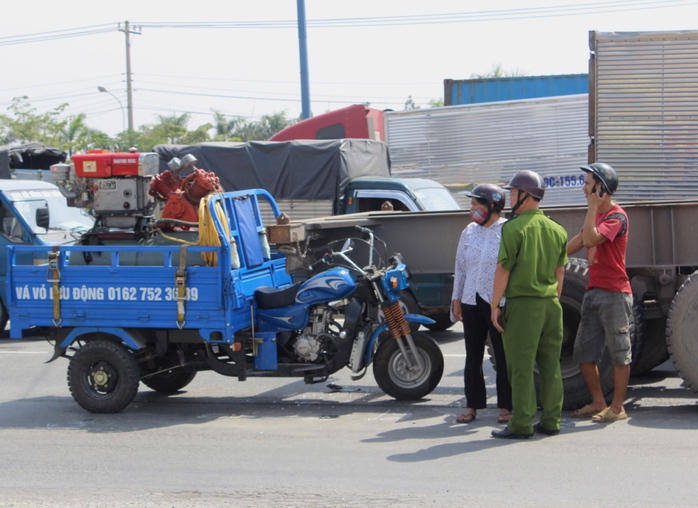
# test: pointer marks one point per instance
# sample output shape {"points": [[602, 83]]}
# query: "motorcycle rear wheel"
{"points": [[393, 376]]}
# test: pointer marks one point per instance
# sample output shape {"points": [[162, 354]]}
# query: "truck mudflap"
{"points": [[415, 318]]}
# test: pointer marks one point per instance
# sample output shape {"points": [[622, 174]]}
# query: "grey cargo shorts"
{"points": [[606, 320]]}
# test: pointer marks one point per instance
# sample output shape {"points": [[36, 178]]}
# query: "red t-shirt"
{"points": [[607, 260]]}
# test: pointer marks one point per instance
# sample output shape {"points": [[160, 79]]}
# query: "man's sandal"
{"points": [[608, 416], [585, 412]]}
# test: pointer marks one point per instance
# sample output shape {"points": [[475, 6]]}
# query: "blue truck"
{"points": [[126, 312], [34, 213]]}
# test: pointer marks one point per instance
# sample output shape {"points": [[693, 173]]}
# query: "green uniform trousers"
{"points": [[533, 337]]}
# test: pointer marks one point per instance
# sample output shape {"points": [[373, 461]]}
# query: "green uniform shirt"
{"points": [[532, 247]]}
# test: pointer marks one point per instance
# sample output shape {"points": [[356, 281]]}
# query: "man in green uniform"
{"points": [[530, 271]]}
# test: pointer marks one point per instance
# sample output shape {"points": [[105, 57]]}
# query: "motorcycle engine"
{"points": [[316, 337], [307, 347]]}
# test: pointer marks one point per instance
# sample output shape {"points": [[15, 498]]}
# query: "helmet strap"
{"points": [[519, 202]]}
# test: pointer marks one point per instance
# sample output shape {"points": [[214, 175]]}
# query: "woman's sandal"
{"points": [[504, 418], [465, 418]]}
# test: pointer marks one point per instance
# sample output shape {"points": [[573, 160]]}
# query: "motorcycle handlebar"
{"points": [[369, 234]]}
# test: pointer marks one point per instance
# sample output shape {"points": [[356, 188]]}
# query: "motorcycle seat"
{"points": [[273, 298]]}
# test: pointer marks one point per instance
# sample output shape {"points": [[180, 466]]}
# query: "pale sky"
{"points": [[367, 53]]}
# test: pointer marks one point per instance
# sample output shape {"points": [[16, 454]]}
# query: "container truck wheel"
{"points": [[103, 376], [575, 388], [681, 331], [394, 378], [170, 381]]}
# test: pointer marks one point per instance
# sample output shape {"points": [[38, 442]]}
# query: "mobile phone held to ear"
{"points": [[602, 191]]}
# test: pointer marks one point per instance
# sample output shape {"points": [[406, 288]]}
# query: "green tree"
{"points": [[498, 72], [94, 139], [264, 128], [226, 127], [199, 135], [173, 127], [26, 125], [74, 133]]}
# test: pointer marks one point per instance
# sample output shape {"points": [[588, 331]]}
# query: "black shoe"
{"points": [[507, 434], [537, 427]]}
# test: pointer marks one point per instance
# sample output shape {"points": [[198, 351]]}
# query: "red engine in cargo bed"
{"points": [[105, 164]]}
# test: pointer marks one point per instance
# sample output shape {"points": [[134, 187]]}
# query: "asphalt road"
{"points": [[279, 442]]}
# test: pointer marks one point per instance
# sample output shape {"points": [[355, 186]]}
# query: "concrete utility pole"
{"points": [[129, 89], [303, 47]]}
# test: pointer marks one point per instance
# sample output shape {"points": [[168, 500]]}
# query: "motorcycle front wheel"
{"points": [[395, 378]]}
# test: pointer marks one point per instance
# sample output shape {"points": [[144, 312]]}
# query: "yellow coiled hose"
{"points": [[208, 237]]}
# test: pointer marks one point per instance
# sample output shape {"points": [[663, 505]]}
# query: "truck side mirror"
{"points": [[42, 217]]}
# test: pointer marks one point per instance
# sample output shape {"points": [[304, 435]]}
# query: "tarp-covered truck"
{"points": [[314, 178], [29, 161]]}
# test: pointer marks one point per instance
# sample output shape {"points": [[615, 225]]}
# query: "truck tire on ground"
{"points": [[575, 388], [637, 336], [392, 375], [443, 321], [4, 316], [103, 376], [654, 350], [170, 381], [682, 329]]}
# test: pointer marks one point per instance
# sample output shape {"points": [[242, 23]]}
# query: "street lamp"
{"points": [[123, 115]]}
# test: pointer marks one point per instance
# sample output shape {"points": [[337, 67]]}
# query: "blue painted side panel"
{"points": [[471, 91], [116, 295]]}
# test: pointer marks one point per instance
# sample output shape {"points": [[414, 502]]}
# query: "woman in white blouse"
{"points": [[476, 260]]}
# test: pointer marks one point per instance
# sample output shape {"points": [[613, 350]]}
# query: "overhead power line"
{"points": [[58, 34], [443, 18], [378, 21]]}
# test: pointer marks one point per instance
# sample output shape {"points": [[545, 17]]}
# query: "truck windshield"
{"points": [[62, 217], [436, 199]]}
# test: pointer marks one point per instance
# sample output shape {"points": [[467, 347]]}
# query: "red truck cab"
{"points": [[356, 121]]}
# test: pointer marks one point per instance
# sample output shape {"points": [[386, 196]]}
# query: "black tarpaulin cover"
{"points": [[300, 169], [29, 156]]}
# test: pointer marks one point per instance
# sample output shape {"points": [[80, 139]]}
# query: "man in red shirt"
{"points": [[607, 304]]}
